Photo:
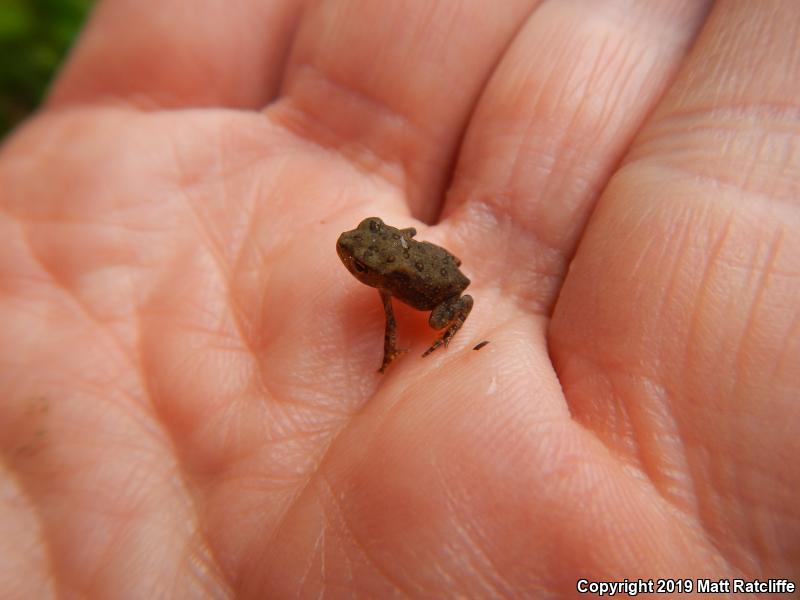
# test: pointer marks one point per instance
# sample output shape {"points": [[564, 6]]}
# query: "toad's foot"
{"points": [[450, 314], [389, 356]]}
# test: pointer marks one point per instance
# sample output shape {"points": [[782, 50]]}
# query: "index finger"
{"points": [[177, 54]]}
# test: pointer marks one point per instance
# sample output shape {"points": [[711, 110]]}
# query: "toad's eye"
{"points": [[360, 267]]}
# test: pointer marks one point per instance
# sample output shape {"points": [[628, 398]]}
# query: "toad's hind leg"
{"points": [[450, 314], [390, 351]]}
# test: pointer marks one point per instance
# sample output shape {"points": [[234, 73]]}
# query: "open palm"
{"points": [[189, 401]]}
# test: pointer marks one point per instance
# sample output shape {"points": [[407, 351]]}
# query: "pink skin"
{"points": [[188, 397]]}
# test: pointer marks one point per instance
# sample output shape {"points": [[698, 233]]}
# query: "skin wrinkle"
{"points": [[47, 541], [581, 88], [346, 557], [225, 274], [677, 490], [678, 263], [184, 180], [706, 467], [77, 302], [290, 392], [494, 586], [764, 273], [700, 301], [737, 175], [759, 148], [563, 140], [717, 532], [606, 118], [112, 540], [284, 402], [105, 557], [620, 403], [146, 426], [14, 476], [312, 475], [620, 80], [731, 115], [182, 475], [424, 37], [324, 481], [201, 531], [644, 465], [792, 334], [642, 217], [765, 540], [119, 228], [756, 533], [318, 550], [204, 566], [748, 49], [319, 132], [695, 531], [515, 160], [791, 157], [467, 541], [538, 302], [682, 500], [244, 325], [773, 204], [201, 227], [297, 434], [477, 561], [125, 534]]}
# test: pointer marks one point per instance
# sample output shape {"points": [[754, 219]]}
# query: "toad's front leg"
{"points": [[390, 351], [451, 314]]}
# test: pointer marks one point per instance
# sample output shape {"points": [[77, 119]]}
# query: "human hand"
{"points": [[187, 373]]}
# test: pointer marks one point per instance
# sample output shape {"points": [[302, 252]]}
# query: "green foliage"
{"points": [[34, 37]]}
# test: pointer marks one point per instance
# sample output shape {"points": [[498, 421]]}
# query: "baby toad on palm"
{"points": [[423, 275]]}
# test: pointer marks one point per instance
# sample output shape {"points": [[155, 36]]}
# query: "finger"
{"points": [[553, 123], [390, 85], [677, 333], [177, 53]]}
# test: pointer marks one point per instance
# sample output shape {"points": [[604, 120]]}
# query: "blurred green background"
{"points": [[35, 36]]}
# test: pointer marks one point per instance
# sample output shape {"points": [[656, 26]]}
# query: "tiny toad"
{"points": [[421, 274]]}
